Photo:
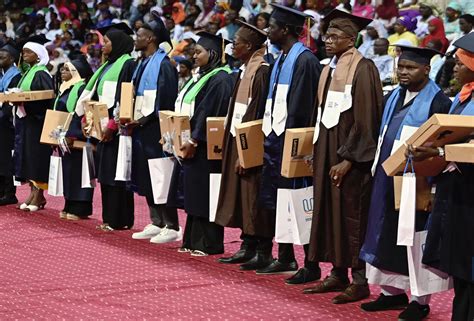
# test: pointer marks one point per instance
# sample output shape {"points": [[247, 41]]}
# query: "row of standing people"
{"points": [[354, 219]]}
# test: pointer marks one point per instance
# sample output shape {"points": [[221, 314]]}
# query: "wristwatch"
{"points": [[440, 151]]}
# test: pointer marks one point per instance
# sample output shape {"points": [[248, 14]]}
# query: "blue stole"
{"points": [[418, 114], [7, 78], [150, 74], [467, 111], [286, 72]]}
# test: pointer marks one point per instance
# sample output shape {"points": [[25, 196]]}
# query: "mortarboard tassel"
{"points": [[223, 51], [308, 35]]}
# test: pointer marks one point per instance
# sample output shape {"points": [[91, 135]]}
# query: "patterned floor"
{"points": [[52, 269]]}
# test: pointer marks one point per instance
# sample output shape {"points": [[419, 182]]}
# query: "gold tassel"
{"points": [[223, 51], [308, 33]]}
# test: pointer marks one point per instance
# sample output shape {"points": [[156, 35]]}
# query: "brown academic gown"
{"points": [[238, 198], [340, 214]]}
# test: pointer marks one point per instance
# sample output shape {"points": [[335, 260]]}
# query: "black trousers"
{"points": [[286, 254], [463, 302], [202, 235], [117, 206], [162, 216], [79, 208], [7, 189]]}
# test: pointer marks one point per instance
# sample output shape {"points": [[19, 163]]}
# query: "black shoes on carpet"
{"points": [[412, 312], [240, 256], [277, 267], [304, 275]]}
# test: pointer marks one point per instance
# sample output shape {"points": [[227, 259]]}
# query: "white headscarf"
{"points": [[40, 51], [76, 77]]}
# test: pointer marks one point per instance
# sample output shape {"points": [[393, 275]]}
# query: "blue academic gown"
{"points": [[380, 248]]}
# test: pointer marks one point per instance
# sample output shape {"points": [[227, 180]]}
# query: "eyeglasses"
{"points": [[333, 38]]}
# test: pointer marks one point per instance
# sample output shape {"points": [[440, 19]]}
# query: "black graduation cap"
{"points": [[419, 55], [159, 29], [121, 26], [262, 35], [210, 41], [12, 50], [466, 42], [40, 39], [82, 66], [359, 22], [288, 16]]}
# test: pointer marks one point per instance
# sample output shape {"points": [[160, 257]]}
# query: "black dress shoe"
{"points": [[304, 275], [259, 261], [8, 200], [386, 302], [277, 267], [414, 312], [240, 256]]}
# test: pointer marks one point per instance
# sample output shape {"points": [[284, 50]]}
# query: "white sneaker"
{"points": [[148, 232], [168, 235]]}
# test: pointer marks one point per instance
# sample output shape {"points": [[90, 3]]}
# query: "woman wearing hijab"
{"points": [[206, 95], [104, 86], [78, 200], [31, 157], [387, 13], [178, 13], [436, 28], [206, 14], [404, 27], [451, 20]]}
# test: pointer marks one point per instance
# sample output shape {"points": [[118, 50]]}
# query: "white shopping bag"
{"points": [[123, 172], [160, 175], [424, 280], [88, 167], [301, 211], [406, 218], [284, 221], [214, 189], [55, 181]]}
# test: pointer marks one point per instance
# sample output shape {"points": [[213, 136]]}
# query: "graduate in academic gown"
{"points": [[78, 200], [32, 158], [238, 197], [10, 76], [411, 104], [450, 242], [206, 95], [348, 119], [290, 103], [155, 80], [105, 86]]}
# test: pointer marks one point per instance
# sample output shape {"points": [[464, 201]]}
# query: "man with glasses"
{"points": [[348, 118]]}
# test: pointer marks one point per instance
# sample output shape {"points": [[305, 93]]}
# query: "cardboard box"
{"points": [[249, 141], [177, 127], [100, 116], [126, 102], [298, 146], [462, 153], [79, 144], [52, 121], [215, 137], [423, 192], [439, 130], [28, 96]]}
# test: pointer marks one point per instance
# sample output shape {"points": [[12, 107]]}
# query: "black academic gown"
{"points": [[146, 137], [301, 102], [72, 162], [107, 152], [382, 226], [7, 134], [212, 101], [32, 158]]}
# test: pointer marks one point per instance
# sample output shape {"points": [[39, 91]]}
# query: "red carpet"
{"points": [[52, 269]]}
